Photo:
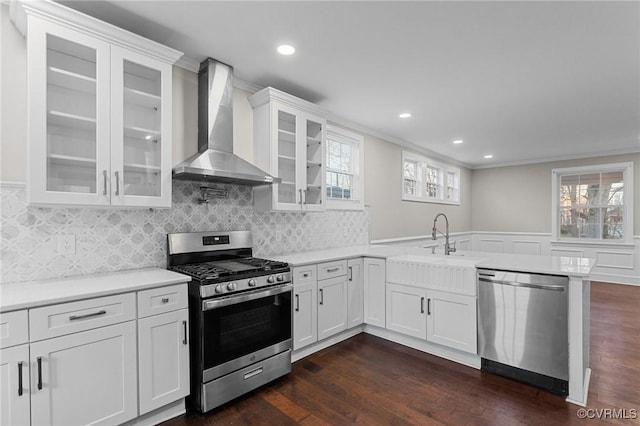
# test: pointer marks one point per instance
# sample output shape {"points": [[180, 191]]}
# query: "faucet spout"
{"points": [[447, 247]]}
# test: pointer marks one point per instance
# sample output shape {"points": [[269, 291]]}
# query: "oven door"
{"points": [[243, 329]]}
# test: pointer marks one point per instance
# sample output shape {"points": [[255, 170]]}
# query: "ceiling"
{"points": [[524, 81]]}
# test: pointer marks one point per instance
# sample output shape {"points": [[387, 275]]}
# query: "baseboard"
{"points": [[159, 415], [470, 360], [318, 346]]}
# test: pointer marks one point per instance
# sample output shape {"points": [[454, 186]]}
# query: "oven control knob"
{"points": [[218, 289], [270, 280], [252, 282], [280, 277], [231, 286]]}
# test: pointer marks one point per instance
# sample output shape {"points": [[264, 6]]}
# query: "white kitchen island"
{"points": [[576, 269]]}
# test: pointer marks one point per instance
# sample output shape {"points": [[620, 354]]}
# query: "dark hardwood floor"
{"points": [[371, 381]]}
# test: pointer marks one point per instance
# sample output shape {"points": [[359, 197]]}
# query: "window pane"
{"points": [[432, 175], [613, 223], [613, 188], [410, 170], [339, 156], [339, 185], [409, 187]]}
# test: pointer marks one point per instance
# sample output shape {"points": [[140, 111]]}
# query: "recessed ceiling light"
{"points": [[148, 137], [404, 115], [286, 49], [458, 141], [488, 156]]}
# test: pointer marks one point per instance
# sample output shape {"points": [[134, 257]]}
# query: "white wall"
{"points": [[392, 217], [518, 198]]}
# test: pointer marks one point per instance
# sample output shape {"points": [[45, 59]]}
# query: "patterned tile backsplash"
{"points": [[116, 239]]}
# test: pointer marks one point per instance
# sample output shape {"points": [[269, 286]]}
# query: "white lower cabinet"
{"points": [[355, 292], [163, 355], [374, 291], [93, 361], [14, 386], [332, 306], [305, 308], [406, 310], [305, 330], [452, 320], [85, 378]]}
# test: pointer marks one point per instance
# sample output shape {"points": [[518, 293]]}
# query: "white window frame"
{"points": [[423, 163], [627, 207], [357, 194]]}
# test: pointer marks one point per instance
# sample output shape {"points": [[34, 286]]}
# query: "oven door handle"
{"points": [[245, 297]]}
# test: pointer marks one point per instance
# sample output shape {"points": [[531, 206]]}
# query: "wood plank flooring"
{"points": [[367, 380]]}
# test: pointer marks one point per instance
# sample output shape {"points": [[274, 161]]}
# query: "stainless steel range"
{"points": [[240, 314]]}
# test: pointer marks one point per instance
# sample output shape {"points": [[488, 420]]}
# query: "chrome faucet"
{"points": [[447, 247]]}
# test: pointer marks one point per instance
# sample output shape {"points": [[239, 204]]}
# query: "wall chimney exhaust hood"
{"points": [[215, 160]]}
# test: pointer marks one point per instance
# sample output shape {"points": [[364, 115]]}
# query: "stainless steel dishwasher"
{"points": [[523, 327]]}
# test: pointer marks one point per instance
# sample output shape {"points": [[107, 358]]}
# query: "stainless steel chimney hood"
{"points": [[215, 160]]}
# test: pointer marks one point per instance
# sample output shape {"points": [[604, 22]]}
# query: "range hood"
{"points": [[215, 160]]}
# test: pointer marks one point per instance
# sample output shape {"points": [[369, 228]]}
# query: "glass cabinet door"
{"points": [[288, 190], [313, 192], [69, 112], [140, 162]]}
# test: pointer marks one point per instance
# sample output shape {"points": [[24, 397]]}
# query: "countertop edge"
{"points": [[34, 294]]}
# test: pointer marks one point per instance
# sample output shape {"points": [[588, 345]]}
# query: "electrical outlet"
{"points": [[279, 236], [67, 244]]}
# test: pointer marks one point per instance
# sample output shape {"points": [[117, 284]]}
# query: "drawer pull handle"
{"points": [[184, 325], [253, 373], [333, 269], [428, 306], [350, 273], [422, 305], [321, 297], [104, 175], [39, 373], [305, 275], [92, 314], [165, 300], [297, 303], [20, 378]]}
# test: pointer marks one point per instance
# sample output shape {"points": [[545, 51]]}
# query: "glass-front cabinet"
{"points": [[99, 119], [289, 143]]}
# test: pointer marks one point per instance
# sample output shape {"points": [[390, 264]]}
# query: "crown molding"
{"points": [[77, 21], [558, 158]]}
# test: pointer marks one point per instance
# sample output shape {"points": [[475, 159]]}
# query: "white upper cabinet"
{"points": [[99, 112], [289, 143]]}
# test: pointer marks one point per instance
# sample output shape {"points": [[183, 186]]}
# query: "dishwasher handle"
{"points": [[519, 284]]}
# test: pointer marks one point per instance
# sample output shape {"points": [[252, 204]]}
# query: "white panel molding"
{"points": [[567, 252], [527, 247], [494, 245], [602, 259]]}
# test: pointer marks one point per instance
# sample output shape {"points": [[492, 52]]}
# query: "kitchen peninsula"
{"points": [[459, 270]]}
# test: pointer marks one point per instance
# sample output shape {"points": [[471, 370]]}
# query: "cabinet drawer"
{"points": [[14, 328], [160, 300], [332, 269], [66, 318], [305, 275]]}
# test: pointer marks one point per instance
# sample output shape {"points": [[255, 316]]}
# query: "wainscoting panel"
{"points": [[527, 247], [614, 259], [491, 245]]}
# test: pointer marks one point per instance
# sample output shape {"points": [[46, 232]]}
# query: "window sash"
{"points": [[593, 203], [431, 183]]}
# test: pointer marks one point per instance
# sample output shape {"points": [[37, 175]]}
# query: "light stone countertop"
{"points": [[556, 265], [31, 294]]}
